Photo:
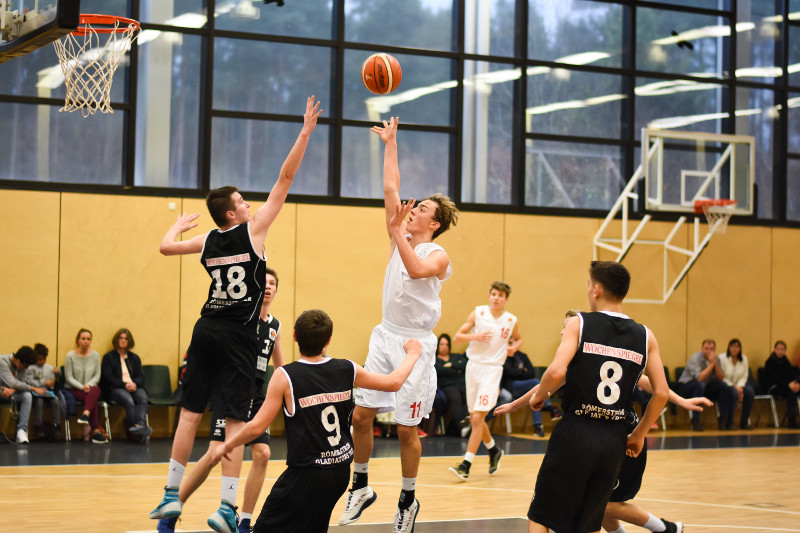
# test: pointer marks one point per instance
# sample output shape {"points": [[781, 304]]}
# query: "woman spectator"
{"points": [[783, 381], [82, 373], [736, 373], [450, 379], [123, 383]]}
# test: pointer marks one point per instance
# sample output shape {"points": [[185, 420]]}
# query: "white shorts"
{"points": [[483, 386], [414, 400]]}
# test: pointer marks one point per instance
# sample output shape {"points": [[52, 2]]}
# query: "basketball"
{"points": [[381, 73]]}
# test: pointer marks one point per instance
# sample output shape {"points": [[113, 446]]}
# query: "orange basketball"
{"points": [[381, 73]]}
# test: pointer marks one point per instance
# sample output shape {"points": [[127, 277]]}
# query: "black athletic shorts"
{"points": [[302, 500], [218, 424], [219, 364], [630, 477], [577, 475]]}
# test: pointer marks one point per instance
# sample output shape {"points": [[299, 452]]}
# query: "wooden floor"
{"points": [[710, 490]]}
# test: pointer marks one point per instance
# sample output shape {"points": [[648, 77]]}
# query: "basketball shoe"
{"points": [[672, 527], [461, 471], [494, 461], [404, 519], [169, 507], [224, 519], [357, 501], [166, 525]]}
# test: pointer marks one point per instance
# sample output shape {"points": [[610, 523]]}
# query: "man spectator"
{"points": [[702, 377], [12, 386], [519, 377]]}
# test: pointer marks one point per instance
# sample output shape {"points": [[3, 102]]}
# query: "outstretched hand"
{"points": [[311, 115], [696, 404], [504, 409], [388, 132], [186, 222], [401, 210]]}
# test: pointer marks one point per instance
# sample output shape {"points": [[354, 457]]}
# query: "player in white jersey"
{"points": [[493, 335], [411, 309]]}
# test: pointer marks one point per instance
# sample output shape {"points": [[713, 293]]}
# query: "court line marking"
{"points": [[724, 506]]}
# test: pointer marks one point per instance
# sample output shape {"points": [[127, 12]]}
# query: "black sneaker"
{"points": [[494, 461], [461, 471], [99, 438], [83, 419], [555, 414], [672, 527], [538, 431]]}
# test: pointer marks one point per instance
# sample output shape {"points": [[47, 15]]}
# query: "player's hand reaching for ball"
{"points": [[311, 115], [388, 132]]}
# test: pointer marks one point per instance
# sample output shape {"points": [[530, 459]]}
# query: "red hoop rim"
{"points": [[106, 20], [713, 202]]}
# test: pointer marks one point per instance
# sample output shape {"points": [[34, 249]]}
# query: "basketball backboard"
{"points": [[26, 25], [681, 167]]}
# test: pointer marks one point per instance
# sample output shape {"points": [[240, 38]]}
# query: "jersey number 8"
{"points": [[610, 374]]}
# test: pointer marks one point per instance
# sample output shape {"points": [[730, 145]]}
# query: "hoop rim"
{"points": [[124, 24], [701, 206]]}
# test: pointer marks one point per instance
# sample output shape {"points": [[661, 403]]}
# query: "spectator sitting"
{"points": [[450, 368], [519, 377], [782, 380], [82, 373], [736, 372], [702, 377], [123, 383], [12, 386], [43, 375]]}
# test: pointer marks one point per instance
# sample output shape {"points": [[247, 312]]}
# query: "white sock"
{"points": [[409, 483], [361, 468], [175, 475], [655, 524], [229, 487], [620, 530], [248, 516], [469, 457], [489, 445]]}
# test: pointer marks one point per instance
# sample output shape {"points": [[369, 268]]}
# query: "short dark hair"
{"points": [[26, 356], [81, 331], [446, 213], [779, 342], [612, 276], [40, 349], [709, 341], [501, 286], [219, 202], [449, 342], [120, 331], [313, 330], [274, 274]]}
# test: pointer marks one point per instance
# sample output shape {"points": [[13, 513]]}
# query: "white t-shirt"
{"points": [[412, 303], [492, 352]]}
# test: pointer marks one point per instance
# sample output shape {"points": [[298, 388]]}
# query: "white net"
{"points": [[718, 215], [88, 59]]}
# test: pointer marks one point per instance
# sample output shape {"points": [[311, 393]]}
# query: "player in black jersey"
{"points": [[316, 393], [221, 354], [269, 347], [601, 357]]}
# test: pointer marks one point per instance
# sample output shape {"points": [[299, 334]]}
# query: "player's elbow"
{"points": [[166, 249]]}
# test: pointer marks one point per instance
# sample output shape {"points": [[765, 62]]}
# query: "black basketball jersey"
{"points": [[267, 334], [611, 357], [237, 275], [318, 434]]}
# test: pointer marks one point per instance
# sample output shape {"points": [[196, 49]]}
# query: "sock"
{"points": [[489, 445], [175, 475], [407, 494], [655, 524], [245, 516], [360, 479], [229, 486], [620, 530], [469, 457]]}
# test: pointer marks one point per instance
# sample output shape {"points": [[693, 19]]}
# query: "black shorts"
{"points": [[630, 477], [219, 364], [218, 424], [302, 500], [578, 472]]}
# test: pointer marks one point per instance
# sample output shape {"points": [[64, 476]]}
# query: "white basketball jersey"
{"points": [[412, 303], [492, 352]]}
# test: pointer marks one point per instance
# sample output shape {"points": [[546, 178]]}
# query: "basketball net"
{"points": [[89, 64], [717, 212]]}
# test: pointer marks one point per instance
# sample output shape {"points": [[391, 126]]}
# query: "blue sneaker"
{"points": [[169, 507], [166, 525], [224, 520], [244, 525]]}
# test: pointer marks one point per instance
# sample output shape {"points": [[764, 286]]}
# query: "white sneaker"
{"points": [[357, 501], [404, 519], [22, 437]]}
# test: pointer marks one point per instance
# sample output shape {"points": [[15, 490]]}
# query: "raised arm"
{"points": [[395, 380], [265, 215], [277, 352], [170, 245], [391, 170]]}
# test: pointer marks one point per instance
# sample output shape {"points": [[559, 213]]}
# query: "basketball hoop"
{"points": [[89, 64], [718, 212]]}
